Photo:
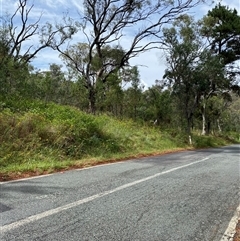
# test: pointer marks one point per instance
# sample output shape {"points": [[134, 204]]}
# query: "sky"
{"points": [[151, 64]]}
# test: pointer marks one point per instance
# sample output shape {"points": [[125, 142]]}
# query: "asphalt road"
{"points": [[184, 196]]}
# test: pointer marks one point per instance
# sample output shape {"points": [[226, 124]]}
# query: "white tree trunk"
{"points": [[219, 127], [204, 120], [190, 140]]}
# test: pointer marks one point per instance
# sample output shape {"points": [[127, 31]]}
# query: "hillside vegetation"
{"points": [[38, 137]]}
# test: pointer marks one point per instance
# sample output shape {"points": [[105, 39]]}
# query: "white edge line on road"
{"points": [[231, 229], [26, 178], [50, 212], [46, 175]]}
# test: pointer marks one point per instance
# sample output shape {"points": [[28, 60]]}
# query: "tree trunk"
{"points": [[189, 121], [190, 139], [219, 127], [204, 119]]}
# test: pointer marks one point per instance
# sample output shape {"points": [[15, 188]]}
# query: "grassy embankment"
{"points": [[37, 138]]}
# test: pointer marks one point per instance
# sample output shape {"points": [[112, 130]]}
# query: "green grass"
{"points": [[36, 137]]}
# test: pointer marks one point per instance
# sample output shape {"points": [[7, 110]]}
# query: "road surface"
{"points": [[185, 196]]}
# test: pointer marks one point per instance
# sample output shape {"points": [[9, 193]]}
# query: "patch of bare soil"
{"points": [[15, 176], [237, 234]]}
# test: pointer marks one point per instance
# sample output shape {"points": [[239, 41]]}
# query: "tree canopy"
{"points": [[222, 28]]}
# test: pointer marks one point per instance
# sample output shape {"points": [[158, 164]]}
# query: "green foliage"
{"points": [[182, 59], [158, 105], [133, 95], [196, 73], [13, 75], [222, 26], [209, 141]]}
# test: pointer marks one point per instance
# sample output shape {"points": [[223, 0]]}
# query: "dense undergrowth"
{"points": [[40, 137]]}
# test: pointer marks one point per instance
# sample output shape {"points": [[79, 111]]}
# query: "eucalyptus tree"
{"points": [[129, 27], [195, 73], [213, 81], [183, 50], [76, 57]]}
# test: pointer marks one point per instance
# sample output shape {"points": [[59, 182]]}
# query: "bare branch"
{"points": [[20, 51]]}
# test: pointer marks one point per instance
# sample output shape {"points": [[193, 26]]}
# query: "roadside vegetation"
{"points": [[38, 137]]}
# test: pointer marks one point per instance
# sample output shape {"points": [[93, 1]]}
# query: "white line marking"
{"points": [[26, 178], [45, 214], [231, 229], [46, 175]]}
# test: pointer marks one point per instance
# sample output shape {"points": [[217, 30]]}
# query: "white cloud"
{"points": [[78, 4], [55, 3], [6, 7]]}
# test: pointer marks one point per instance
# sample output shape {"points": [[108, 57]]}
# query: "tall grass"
{"points": [[39, 137]]}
